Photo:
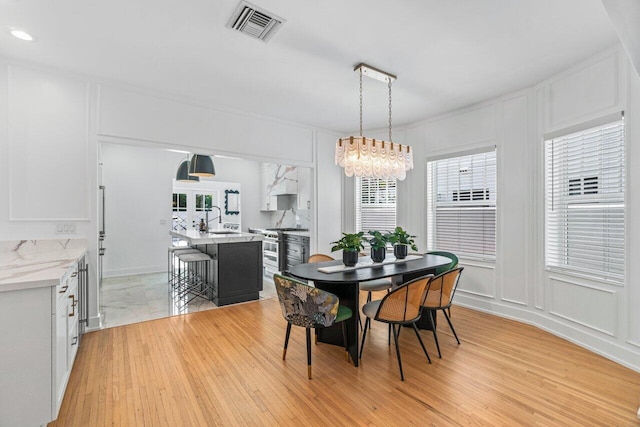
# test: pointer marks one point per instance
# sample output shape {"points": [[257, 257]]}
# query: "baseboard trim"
{"points": [[612, 351], [134, 271]]}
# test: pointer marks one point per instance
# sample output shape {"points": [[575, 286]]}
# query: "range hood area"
{"points": [[286, 201]]}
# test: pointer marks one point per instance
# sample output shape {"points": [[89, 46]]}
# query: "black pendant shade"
{"points": [[201, 165], [183, 173]]}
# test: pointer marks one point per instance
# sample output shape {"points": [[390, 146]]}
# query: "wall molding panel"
{"points": [[48, 121]]}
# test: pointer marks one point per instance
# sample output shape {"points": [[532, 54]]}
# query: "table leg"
{"points": [[348, 294]]}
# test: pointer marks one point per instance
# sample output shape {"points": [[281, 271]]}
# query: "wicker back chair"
{"points": [[319, 258], [440, 296], [401, 306]]}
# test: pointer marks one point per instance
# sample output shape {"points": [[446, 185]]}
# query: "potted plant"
{"points": [[378, 242], [350, 244], [401, 240]]}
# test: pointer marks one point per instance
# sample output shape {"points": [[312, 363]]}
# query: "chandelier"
{"points": [[370, 158]]}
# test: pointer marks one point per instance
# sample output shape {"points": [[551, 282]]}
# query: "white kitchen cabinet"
{"points": [[276, 180], [304, 188], [38, 353], [268, 202]]}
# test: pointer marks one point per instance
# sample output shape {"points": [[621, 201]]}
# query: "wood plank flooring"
{"points": [[224, 367]]}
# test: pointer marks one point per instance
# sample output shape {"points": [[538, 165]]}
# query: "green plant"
{"points": [[377, 239], [401, 237], [350, 242]]}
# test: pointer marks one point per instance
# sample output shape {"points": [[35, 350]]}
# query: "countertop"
{"points": [[194, 237], [26, 264]]}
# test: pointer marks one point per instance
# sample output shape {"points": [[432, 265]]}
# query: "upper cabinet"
{"points": [[268, 202], [280, 180], [304, 188]]}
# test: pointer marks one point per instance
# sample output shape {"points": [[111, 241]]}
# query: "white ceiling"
{"points": [[446, 54]]}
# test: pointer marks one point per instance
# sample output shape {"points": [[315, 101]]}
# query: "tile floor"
{"points": [[132, 299]]}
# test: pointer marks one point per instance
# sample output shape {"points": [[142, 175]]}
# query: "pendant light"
{"points": [[183, 173], [201, 165], [366, 157]]}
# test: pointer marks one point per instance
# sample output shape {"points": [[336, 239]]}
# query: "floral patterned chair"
{"points": [[309, 307]]}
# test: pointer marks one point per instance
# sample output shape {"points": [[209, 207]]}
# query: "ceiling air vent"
{"points": [[255, 22]]}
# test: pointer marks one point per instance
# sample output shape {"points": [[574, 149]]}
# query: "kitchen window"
{"points": [[375, 204], [585, 201], [461, 204]]}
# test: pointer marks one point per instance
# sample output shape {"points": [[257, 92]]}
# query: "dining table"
{"points": [[343, 281]]}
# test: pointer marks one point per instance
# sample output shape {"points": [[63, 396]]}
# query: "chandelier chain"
{"points": [[390, 140], [360, 101]]}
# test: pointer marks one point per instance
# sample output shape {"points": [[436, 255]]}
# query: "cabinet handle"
{"points": [[308, 204], [75, 302], [64, 289], [75, 341], [74, 274]]}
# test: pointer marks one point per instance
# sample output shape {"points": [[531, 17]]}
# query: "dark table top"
{"points": [[310, 271]]}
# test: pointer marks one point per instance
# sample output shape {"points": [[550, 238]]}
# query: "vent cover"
{"points": [[255, 22]]}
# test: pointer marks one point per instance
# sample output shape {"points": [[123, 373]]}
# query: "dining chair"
{"points": [[319, 258], [439, 297], [447, 267], [444, 268], [401, 306], [309, 307]]}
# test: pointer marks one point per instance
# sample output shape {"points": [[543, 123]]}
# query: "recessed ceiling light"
{"points": [[22, 35]]}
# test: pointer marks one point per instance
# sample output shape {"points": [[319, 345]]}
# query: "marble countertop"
{"points": [[194, 237], [26, 264]]}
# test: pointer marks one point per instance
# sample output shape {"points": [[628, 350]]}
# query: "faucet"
{"points": [[219, 217]]}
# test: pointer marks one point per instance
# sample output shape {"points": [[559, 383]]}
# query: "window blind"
{"points": [[375, 204], [462, 205], [585, 203]]}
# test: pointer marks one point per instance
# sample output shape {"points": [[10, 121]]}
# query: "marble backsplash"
{"points": [[291, 218]]}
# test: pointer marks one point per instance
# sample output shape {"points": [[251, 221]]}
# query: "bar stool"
{"points": [[172, 253], [193, 276]]}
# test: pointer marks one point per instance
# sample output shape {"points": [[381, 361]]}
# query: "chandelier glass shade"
{"points": [[366, 157]]}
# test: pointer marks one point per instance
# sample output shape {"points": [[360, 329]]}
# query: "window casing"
{"points": [[375, 204], [461, 204], [585, 202]]}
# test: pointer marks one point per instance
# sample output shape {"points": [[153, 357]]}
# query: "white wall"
{"points": [[138, 183], [597, 315], [65, 189]]}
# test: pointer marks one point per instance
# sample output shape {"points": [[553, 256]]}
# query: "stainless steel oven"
{"points": [[270, 251]]}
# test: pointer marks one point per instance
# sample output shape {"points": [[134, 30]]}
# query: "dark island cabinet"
{"points": [[236, 271]]}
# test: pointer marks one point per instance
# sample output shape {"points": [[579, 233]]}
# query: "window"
{"points": [[584, 201], [179, 212], [375, 204], [461, 200]]}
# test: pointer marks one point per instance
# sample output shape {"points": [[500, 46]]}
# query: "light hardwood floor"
{"points": [[224, 367]]}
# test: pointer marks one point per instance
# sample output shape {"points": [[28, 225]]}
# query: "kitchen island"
{"points": [[236, 263]]}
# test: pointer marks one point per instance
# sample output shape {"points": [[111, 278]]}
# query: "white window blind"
{"points": [[462, 205], [375, 204], [584, 201]]}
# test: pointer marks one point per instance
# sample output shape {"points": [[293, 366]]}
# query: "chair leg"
{"points": [[415, 328], [433, 329], [364, 335], [344, 338], [286, 341], [309, 353], [395, 338], [451, 326]]}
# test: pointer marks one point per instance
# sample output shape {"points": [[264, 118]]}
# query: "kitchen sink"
{"points": [[223, 232]]}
